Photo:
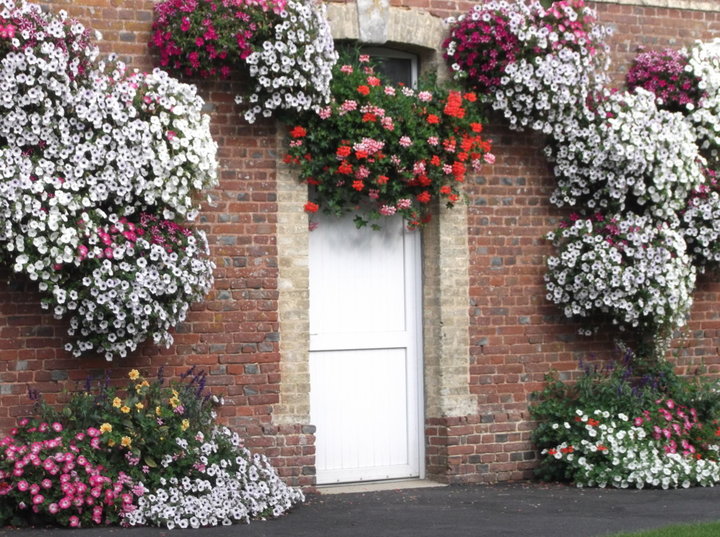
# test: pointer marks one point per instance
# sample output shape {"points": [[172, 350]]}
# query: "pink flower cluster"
{"points": [[663, 73], [673, 424], [155, 230], [50, 476], [207, 37], [7, 31], [483, 45], [572, 22]]}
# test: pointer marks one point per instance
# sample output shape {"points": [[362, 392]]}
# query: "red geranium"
{"points": [[380, 150]]}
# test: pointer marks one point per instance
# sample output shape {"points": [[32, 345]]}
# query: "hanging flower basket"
{"points": [[285, 47], [379, 150], [537, 66], [622, 267], [667, 74], [99, 166]]}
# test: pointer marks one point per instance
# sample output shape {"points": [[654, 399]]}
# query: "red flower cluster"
{"points": [[390, 150]]}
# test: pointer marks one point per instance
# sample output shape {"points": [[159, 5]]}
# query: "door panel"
{"points": [[364, 350]]}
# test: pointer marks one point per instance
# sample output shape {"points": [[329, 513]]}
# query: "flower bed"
{"points": [[630, 423], [150, 453], [88, 151], [614, 450], [387, 150]]}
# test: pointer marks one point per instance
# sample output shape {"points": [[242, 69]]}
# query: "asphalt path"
{"points": [[505, 510]]}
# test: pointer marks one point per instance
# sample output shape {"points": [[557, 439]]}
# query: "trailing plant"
{"points": [[541, 64], [666, 73], [380, 150], [630, 157], [704, 63], [209, 38], [700, 223], [629, 154]]}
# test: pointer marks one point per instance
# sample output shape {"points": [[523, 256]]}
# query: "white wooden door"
{"points": [[365, 362]]}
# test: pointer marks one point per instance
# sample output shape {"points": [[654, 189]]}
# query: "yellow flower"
{"points": [[124, 409], [117, 402], [111, 442], [143, 384], [158, 411], [134, 374], [126, 441], [139, 406], [185, 424], [105, 428], [174, 401]]}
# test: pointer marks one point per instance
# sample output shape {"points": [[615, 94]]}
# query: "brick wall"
{"points": [[515, 336]]}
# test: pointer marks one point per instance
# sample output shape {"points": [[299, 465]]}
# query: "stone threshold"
{"points": [[375, 486]]}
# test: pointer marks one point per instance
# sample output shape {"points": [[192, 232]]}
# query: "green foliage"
{"points": [[708, 529], [140, 423]]}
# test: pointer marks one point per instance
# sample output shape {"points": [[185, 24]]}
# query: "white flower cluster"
{"points": [[293, 71], [704, 63], [629, 458], [700, 224], [632, 155], [86, 144], [544, 92], [626, 267], [132, 286], [227, 490], [560, 70]]}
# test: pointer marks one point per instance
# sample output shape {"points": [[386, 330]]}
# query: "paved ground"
{"points": [[515, 510]]}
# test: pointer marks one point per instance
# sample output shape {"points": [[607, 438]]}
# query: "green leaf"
{"points": [[150, 461]]}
